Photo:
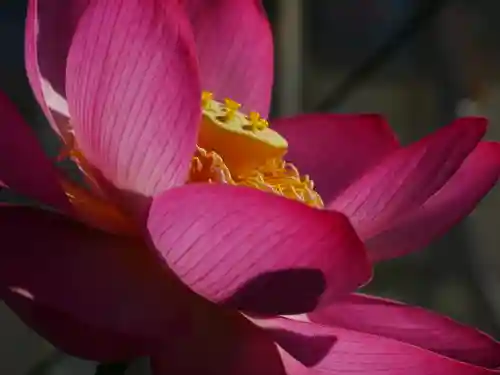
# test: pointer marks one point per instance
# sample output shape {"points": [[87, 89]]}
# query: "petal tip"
{"points": [[476, 123]]}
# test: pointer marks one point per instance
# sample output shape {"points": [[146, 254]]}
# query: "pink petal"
{"points": [[23, 164], [256, 251], [408, 177], [228, 344], [335, 150], [292, 366], [455, 200], [50, 25], [412, 325], [235, 50], [308, 343], [351, 352], [70, 335], [90, 279], [133, 90]]}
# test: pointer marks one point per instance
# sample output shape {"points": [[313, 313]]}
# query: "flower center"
{"points": [[233, 148], [237, 149]]}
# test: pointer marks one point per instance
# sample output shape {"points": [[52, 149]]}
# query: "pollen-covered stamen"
{"points": [[282, 178], [276, 176], [242, 150], [209, 167]]}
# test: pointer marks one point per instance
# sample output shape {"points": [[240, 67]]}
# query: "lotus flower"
{"points": [[197, 238]]}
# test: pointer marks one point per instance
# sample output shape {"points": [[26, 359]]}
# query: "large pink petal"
{"points": [[235, 50], [406, 178], [413, 325], [133, 89], [88, 278], [50, 25], [454, 201], [345, 351], [256, 251], [335, 150], [227, 344], [23, 164], [71, 335]]}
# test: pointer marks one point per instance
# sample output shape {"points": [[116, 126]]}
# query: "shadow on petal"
{"points": [[292, 291], [74, 337], [222, 343], [310, 349]]}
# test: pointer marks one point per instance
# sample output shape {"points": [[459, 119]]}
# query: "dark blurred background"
{"points": [[421, 63]]}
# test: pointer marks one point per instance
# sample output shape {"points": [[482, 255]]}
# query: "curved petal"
{"points": [[133, 89], [50, 25], [291, 365], [455, 200], [92, 278], [256, 251], [228, 344], [408, 177], [335, 150], [23, 164], [355, 352], [412, 325], [70, 335], [308, 343], [235, 50]]}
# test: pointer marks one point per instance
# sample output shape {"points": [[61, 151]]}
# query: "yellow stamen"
{"points": [[276, 176], [209, 167]]}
